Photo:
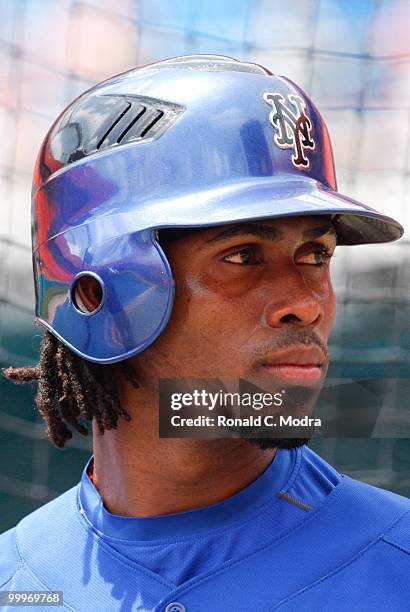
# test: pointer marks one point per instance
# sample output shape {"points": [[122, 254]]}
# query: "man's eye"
{"points": [[244, 257], [319, 258]]}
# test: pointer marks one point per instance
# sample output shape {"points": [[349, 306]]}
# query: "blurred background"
{"points": [[352, 57]]}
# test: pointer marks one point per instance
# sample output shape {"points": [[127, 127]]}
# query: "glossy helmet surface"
{"points": [[193, 141]]}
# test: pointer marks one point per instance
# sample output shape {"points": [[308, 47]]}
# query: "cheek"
{"points": [[322, 290], [199, 318], [208, 321], [329, 304]]}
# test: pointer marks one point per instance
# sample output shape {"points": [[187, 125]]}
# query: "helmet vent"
{"points": [[151, 125], [99, 122], [138, 123], [131, 125], [126, 109]]}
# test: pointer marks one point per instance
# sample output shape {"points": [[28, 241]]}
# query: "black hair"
{"points": [[72, 391]]}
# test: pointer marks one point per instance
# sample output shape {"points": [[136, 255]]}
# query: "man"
{"points": [[215, 177]]}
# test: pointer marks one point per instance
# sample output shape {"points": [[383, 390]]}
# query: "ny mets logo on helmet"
{"points": [[293, 129]]}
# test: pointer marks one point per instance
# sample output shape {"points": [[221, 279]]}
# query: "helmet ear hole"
{"points": [[87, 293]]}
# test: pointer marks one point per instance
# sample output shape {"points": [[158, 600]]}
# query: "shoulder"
{"points": [[55, 519], [398, 535], [357, 552], [380, 522], [318, 481], [358, 508], [10, 560], [355, 492], [373, 500], [30, 543], [376, 502]]}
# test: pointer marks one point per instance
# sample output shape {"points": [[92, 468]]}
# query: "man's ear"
{"points": [[87, 293]]}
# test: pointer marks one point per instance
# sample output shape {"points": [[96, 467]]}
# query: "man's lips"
{"points": [[302, 362], [295, 371]]}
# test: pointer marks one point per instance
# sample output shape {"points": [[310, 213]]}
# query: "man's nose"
{"points": [[293, 303]]}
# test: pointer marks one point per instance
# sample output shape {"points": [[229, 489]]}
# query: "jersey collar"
{"points": [[234, 509]]}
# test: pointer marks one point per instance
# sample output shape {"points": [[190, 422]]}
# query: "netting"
{"points": [[352, 57]]}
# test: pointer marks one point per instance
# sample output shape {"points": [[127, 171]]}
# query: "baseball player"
{"points": [[184, 217]]}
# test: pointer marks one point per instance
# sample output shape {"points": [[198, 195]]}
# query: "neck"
{"points": [[140, 474]]}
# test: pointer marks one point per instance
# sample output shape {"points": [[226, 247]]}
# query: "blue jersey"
{"points": [[301, 537]]}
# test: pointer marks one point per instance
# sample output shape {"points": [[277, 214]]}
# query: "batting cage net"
{"points": [[353, 58]]}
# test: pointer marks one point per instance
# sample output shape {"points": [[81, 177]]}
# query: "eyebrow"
{"points": [[269, 233]]}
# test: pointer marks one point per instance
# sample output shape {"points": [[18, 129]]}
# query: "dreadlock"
{"points": [[71, 390]]}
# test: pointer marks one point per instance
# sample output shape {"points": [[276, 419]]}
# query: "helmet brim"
{"points": [[274, 197]]}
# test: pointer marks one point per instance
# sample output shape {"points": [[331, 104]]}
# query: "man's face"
{"points": [[253, 300], [248, 298]]}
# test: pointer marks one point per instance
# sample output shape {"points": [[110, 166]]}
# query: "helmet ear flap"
{"points": [[118, 306]]}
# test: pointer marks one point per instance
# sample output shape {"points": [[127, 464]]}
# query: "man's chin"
{"points": [[267, 443]]}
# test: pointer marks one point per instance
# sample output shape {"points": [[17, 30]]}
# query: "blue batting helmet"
{"points": [[188, 142]]}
